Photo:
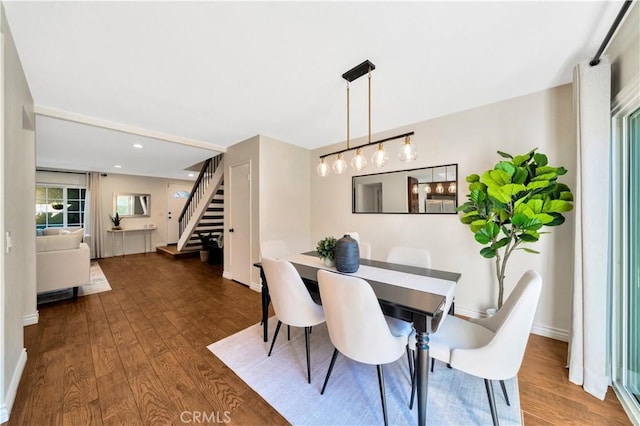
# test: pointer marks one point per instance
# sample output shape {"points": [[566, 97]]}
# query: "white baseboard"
{"points": [[226, 275], [256, 287], [553, 333], [31, 319], [7, 404]]}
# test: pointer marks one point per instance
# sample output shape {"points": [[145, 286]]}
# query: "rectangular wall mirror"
{"points": [[128, 205], [429, 190]]}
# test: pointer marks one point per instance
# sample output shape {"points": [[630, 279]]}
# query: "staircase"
{"points": [[204, 210]]}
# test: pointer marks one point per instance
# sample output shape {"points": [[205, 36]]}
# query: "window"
{"points": [[59, 206]]}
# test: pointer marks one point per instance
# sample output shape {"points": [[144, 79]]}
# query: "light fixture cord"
{"points": [[348, 115], [369, 105]]}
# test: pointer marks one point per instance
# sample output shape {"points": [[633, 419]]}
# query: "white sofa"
{"points": [[62, 260]]}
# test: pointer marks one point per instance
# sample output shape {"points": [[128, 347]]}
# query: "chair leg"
{"points": [[382, 396], [410, 361], [275, 335], [333, 361], [504, 392], [306, 342], [288, 332], [492, 401], [433, 362]]}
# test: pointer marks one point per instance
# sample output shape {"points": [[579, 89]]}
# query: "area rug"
{"points": [[352, 396], [98, 283]]}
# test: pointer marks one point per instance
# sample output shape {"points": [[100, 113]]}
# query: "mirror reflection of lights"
{"points": [[439, 188]]}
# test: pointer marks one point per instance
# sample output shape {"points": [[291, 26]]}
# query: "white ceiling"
{"points": [[211, 74]]}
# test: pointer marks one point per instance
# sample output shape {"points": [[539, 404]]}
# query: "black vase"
{"points": [[347, 255]]}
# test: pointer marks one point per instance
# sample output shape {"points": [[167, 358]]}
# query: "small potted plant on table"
{"points": [[116, 221], [326, 249]]}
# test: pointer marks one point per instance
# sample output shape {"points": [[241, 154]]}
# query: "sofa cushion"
{"points": [[58, 242], [51, 231]]}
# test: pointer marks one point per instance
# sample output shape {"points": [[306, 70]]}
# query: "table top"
{"points": [[131, 229], [411, 299]]}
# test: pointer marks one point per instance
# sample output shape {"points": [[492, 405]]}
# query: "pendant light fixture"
{"points": [[380, 157], [407, 153]]}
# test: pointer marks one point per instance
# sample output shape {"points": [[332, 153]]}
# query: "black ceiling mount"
{"points": [[358, 71]]}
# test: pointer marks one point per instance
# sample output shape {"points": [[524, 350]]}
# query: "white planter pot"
{"points": [[328, 262]]}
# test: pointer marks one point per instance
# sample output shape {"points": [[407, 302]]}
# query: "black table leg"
{"points": [[422, 369], [265, 305]]}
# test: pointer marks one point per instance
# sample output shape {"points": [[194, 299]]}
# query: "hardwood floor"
{"points": [[137, 355]]}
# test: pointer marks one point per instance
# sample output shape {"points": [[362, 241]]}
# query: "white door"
{"points": [[240, 223], [177, 195]]}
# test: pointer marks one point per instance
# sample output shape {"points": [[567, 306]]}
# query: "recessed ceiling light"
{"points": [[137, 145], [191, 175], [118, 166]]}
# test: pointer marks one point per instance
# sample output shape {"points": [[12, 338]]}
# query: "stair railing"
{"points": [[199, 188]]}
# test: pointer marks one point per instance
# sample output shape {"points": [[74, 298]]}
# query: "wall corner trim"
{"points": [[31, 319], [7, 404]]}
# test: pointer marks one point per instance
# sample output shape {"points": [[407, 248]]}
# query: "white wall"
{"points": [[135, 243], [285, 202], [471, 139], [17, 183], [245, 151], [624, 52]]}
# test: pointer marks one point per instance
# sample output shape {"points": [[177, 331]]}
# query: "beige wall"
{"points": [[285, 202], [247, 151], [471, 139], [17, 183], [135, 242]]}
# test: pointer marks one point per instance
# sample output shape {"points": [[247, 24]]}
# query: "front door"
{"points": [[177, 195], [240, 223]]}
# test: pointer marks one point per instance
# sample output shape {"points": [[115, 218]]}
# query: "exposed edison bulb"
{"points": [[339, 166], [380, 158], [453, 188], [323, 168], [407, 153], [439, 188], [358, 161], [414, 188], [427, 188]]}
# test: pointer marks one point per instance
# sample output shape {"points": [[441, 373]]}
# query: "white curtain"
{"points": [[588, 356], [94, 195]]}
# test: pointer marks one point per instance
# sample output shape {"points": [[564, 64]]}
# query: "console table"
{"points": [[123, 232]]}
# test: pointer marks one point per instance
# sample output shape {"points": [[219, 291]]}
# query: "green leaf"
{"points": [[545, 169], [501, 243], [477, 225], [519, 160], [544, 218], [540, 159], [528, 250], [488, 252], [566, 196], [507, 167], [529, 237], [504, 154], [473, 178], [533, 185], [511, 189], [479, 186], [558, 219], [561, 171], [519, 220], [557, 206], [482, 237], [496, 178], [520, 176], [545, 176], [496, 194], [477, 196]]}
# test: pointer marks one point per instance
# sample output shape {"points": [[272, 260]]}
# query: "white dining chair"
{"points": [[291, 300], [410, 256], [357, 327], [491, 348], [364, 247], [275, 249]]}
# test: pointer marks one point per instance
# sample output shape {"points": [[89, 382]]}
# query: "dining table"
{"points": [[421, 296]]}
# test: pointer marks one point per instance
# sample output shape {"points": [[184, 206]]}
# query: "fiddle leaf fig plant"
{"points": [[509, 205]]}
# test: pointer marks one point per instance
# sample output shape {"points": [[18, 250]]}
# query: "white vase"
{"points": [[328, 262]]}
